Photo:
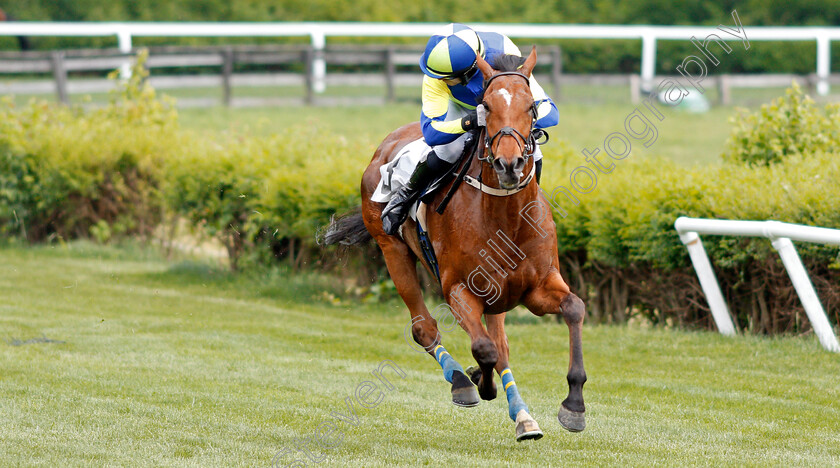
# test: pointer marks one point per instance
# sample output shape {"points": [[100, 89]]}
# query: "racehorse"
{"points": [[523, 267]]}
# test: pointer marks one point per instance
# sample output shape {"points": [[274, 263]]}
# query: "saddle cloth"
{"points": [[396, 173], [393, 176]]}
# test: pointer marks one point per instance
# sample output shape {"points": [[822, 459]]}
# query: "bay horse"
{"points": [[473, 282]]}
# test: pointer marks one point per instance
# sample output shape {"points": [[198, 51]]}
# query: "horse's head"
{"points": [[511, 114]]}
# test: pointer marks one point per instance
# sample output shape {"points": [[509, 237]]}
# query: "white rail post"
{"points": [[319, 65], [709, 282], [823, 63], [124, 39], [806, 292], [648, 61]]}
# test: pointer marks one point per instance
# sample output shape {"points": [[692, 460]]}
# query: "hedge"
{"points": [[71, 172], [622, 252], [125, 169]]}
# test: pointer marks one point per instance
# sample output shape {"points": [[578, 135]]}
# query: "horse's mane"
{"points": [[508, 62], [503, 63]]}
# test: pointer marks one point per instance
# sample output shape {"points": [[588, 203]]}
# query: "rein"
{"points": [[462, 174]]}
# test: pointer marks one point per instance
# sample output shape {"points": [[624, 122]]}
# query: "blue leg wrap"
{"points": [[515, 403], [446, 362]]}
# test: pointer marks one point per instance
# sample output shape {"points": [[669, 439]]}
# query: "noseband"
{"points": [[527, 145]]}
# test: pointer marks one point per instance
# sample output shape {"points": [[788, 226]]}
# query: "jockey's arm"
{"points": [[437, 130], [547, 113]]}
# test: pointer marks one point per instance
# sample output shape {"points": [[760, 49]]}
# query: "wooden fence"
{"points": [[231, 66], [295, 64]]}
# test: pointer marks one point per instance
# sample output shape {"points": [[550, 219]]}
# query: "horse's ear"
{"points": [[485, 67], [530, 62]]}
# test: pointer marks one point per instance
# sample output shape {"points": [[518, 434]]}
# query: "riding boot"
{"points": [[538, 170], [396, 212]]}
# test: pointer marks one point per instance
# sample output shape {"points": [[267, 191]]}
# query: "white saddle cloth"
{"points": [[396, 173]]}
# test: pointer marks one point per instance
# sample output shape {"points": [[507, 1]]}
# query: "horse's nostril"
{"points": [[499, 165], [519, 166]]}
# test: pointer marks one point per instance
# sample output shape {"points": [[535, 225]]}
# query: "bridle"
{"points": [[527, 145]]}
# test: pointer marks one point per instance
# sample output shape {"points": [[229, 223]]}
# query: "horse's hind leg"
{"points": [[526, 426], [571, 414], [401, 264], [554, 297]]}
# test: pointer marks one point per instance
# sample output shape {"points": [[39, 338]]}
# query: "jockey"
{"points": [[451, 89]]}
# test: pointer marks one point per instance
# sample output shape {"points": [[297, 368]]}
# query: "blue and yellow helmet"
{"points": [[451, 53]]}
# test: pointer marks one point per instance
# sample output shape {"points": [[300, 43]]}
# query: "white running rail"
{"points": [[318, 33], [781, 235]]}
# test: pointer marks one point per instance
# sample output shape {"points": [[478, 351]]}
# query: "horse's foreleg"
{"points": [[526, 426], [401, 264], [483, 348], [554, 297]]}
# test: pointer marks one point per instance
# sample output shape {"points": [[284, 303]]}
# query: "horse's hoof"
{"points": [[463, 390], [474, 372], [526, 427], [572, 421]]}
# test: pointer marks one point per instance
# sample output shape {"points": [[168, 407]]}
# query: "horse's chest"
{"points": [[496, 273]]}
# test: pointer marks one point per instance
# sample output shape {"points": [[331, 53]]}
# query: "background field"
{"points": [[114, 353], [684, 137], [180, 364], [172, 362], [587, 115]]}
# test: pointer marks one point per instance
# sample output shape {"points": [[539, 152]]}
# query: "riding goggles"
{"points": [[465, 76]]}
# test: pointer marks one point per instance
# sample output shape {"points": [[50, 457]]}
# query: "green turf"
{"points": [[180, 364], [588, 114], [684, 137]]}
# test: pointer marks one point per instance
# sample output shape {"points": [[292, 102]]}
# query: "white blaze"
{"points": [[506, 94]]}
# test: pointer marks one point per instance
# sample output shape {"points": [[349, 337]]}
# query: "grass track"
{"points": [[181, 365], [686, 138]]}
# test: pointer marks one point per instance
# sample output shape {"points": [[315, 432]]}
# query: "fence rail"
{"points": [[222, 63], [225, 59], [318, 33], [781, 236]]}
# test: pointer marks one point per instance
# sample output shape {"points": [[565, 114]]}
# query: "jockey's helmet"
{"points": [[451, 53]]}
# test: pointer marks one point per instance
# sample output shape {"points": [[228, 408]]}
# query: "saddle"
{"points": [[397, 172]]}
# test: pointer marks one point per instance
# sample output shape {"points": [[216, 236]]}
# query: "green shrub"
{"points": [[790, 125], [622, 254], [258, 194], [64, 170]]}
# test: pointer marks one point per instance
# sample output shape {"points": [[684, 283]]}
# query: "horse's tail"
{"points": [[345, 229]]}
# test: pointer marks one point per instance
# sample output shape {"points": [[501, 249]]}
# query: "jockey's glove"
{"points": [[469, 121]]}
